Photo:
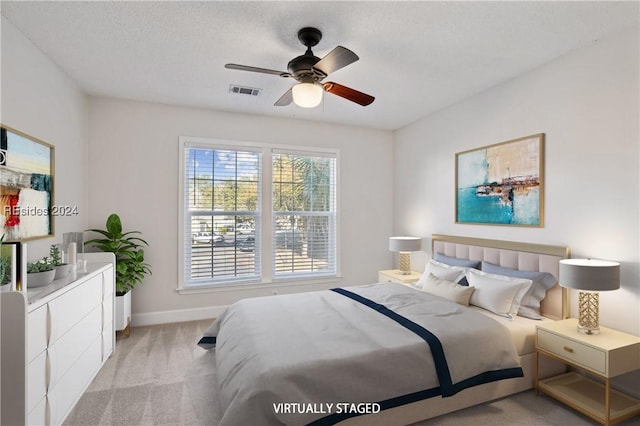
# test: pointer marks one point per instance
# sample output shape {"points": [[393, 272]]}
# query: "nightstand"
{"points": [[602, 356], [394, 276]]}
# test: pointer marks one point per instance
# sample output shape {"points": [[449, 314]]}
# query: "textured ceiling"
{"points": [[415, 57]]}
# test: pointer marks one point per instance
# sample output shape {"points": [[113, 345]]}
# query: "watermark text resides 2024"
{"points": [[56, 210]]}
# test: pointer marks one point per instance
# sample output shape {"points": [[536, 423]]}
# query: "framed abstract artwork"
{"points": [[26, 185], [502, 184]]}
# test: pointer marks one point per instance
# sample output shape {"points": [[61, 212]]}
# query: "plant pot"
{"points": [[62, 270], [123, 311], [40, 279]]}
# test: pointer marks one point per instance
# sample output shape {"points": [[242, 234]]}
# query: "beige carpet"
{"points": [[158, 376]]}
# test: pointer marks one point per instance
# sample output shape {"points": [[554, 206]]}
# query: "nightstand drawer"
{"points": [[578, 353]]}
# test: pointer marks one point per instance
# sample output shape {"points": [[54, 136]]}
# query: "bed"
{"points": [[385, 354]]}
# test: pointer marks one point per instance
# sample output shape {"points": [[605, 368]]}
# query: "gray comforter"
{"points": [[295, 359]]}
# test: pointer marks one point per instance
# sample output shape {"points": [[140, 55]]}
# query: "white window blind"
{"points": [[256, 214], [221, 215], [304, 214]]}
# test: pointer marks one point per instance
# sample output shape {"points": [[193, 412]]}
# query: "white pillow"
{"points": [[447, 289], [442, 271], [497, 293]]}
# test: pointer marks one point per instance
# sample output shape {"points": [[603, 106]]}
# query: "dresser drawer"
{"points": [[107, 341], [71, 307], [38, 416], [36, 381], [578, 353], [71, 385], [107, 311], [37, 334], [107, 284], [68, 349]]}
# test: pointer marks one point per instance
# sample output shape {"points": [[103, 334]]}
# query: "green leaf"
{"points": [[130, 265], [114, 225]]}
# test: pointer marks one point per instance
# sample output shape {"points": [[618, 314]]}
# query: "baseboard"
{"points": [[180, 315]]}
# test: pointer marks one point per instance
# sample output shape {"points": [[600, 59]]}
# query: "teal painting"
{"points": [[501, 184]]}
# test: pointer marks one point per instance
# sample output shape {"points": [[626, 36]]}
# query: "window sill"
{"points": [[215, 288]]}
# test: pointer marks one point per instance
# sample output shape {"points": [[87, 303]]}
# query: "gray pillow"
{"points": [[456, 261], [542, 282]]}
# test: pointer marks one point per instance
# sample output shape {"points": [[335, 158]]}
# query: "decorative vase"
{"points": [[62, 271], [40, 279], [123, 313]]}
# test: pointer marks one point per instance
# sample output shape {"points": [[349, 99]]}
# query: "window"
{"points": [[304, 214], [222, 189], [255, 214]]}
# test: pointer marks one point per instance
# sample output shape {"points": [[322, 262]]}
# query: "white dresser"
{"points": [[54, 341]]}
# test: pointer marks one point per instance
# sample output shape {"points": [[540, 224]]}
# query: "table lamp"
{"points": [[405, 245], [590, 276]]}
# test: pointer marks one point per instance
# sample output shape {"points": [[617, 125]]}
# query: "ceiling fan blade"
{"points": [[285, 99], [256, 69], [348, 93], [338, 58]]}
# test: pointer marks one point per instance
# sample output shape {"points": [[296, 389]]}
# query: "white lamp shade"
{"points": [[307, 95], [590, 274], [405, 243]]}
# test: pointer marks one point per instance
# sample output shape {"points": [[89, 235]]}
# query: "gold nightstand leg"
{"points": [[607, 402], [536, 372]]}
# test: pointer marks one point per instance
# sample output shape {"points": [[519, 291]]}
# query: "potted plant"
{"points": [[40, 273], [130, 265], [62, 269]]}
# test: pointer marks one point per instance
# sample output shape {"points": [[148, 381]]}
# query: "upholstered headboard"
{"points": [[515, 255]]}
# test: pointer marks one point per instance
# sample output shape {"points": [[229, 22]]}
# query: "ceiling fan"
{"points": [[309, 71]]}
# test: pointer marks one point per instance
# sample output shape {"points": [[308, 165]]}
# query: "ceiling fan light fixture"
{"points": [[307, 95]]}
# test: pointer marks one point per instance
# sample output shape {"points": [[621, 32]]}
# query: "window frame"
{"points": [[267, 276]]}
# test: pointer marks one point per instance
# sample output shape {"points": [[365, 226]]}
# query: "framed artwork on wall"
{"points": [[26, 185], [502, 184]]}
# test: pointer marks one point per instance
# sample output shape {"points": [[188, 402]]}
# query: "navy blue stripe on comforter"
{"points": [[446, 388]]}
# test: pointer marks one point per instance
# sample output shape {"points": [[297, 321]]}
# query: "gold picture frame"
{"points": [[501, 184], [27, 186]]}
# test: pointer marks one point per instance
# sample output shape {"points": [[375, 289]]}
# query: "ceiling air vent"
{"points": [[244, 90]]}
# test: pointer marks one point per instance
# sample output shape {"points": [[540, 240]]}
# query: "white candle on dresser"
{"points": [[71, 255]]}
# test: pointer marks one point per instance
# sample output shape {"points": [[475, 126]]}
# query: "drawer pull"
{"points": [[568, 349]]}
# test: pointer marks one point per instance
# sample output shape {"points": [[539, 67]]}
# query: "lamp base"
{"points": [[586, 330], [405, 263], [588, 312]]}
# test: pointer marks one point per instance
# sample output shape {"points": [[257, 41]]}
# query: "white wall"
{"points": [[133, 153], [586, 103], [40, 100]]}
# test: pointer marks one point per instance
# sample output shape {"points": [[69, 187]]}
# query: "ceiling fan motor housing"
{"points": [[301, 67]]}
